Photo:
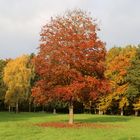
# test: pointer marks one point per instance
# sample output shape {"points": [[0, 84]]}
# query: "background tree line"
{"points": [[122, 70]]}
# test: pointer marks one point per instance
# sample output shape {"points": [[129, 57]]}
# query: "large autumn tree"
{"points": [[70, 61], [17, 77]]}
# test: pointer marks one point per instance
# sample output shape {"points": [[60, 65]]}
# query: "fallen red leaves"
{"points": [[76, 125]]}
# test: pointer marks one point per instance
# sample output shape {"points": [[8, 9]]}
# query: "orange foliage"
{"points": [[70, 59]]}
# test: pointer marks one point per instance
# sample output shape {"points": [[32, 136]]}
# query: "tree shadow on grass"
{"points": [[101, 119], [23, 116], [104, 119], [6, 116]]}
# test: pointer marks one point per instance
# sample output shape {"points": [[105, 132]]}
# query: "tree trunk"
{"points": [[34, 108], [122, 112], [54, 111], [29, 106], [71, 115], [17, 109], [136, 112], [84, 110], [9, 108], [100, 112], [43, 108], [90, 108], [95, 111]]}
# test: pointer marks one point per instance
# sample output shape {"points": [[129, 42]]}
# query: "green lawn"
{"points": [[21, 127]]}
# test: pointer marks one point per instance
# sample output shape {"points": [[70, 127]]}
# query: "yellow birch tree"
{"points": [[17, 76]]}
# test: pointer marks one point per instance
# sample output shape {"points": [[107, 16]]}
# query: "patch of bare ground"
{"points": [[77, 125]]}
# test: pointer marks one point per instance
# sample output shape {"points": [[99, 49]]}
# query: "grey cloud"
{"points": [[21, 21]]}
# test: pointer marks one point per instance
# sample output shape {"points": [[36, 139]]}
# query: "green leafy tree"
{"points": [[2, 85], [133, 78]]}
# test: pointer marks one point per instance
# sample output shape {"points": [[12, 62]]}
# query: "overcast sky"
{"points": [[21, 22]]}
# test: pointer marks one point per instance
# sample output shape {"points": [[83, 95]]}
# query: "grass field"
{"points": [[22, 127]]}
